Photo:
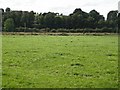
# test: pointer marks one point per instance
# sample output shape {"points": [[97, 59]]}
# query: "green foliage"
{"points": [[76, 20], [7, 9], [112, 19], [9, 25], [118, 22], [60, 62]]}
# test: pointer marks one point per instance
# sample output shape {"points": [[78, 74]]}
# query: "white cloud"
{"points": [[61, 6]]}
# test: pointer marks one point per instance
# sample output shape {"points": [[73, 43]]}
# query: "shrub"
{"points": [[9, 25]]}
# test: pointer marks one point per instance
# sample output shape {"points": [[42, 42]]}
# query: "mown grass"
{"points": [[60, 61]]}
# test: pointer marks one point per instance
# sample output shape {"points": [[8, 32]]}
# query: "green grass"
{"points": [[60, 61]]}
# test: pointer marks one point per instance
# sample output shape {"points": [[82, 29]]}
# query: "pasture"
{"points": [[44, 61]]}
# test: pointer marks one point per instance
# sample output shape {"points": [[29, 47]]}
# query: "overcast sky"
{"points": [[61, 6]]}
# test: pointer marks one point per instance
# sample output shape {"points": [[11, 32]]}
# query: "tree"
{"points": [[77, 10], [9, 25], [31, 19], [7, 9], [58, 22], [16, 16], [118, 22], [2, 10], [25, 19], [49, 20], [96, 18], [112, 19], [78, 19]]}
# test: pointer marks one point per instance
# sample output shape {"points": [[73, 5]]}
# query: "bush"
{"points": [[9, 25], [60, 30], [108, 30]]}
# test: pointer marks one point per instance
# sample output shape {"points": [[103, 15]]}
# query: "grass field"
{"points": [[60, 61]]}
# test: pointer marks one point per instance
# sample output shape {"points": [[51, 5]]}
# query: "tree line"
{"points": [[77, 21]]}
